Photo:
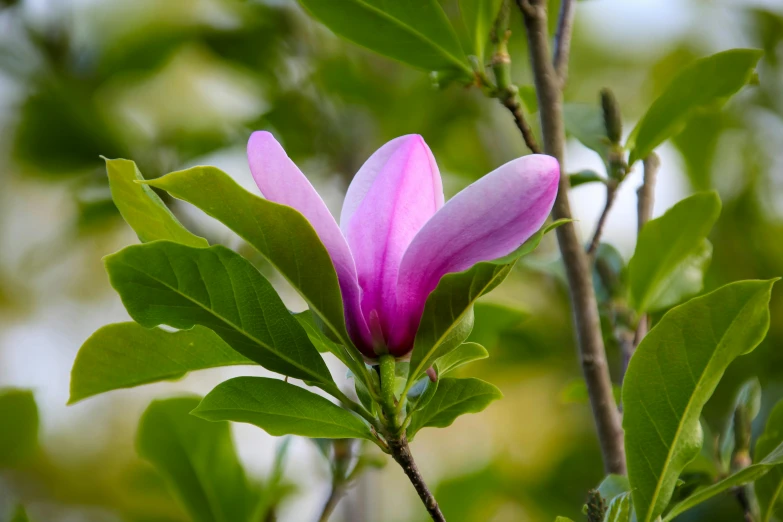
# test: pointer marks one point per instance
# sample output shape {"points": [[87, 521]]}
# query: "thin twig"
{"points": [[337, 492], [512, 104], [645, 199], [565, 26], [585, 308], [401, 453], [611, 194]]}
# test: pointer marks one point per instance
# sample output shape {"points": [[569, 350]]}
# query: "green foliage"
{"points": [[448, 314], [585, 176], [586, 123], [620, 509], [746, 475], [416, 32], [125, 355], [19, 418], [281, 234], [672, 375], [461, 355], [142, 209], [280, 408], [747, 404], [198, 460], [180, 286], [454, 397], [706, 83], [769, 489], [671, 253], [20, 515], [614, 485], [479, 17]]}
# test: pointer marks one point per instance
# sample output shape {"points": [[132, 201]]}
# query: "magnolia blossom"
{"points": [[397, 238]]}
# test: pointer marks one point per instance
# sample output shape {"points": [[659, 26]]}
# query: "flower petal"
{"points": [[281, 181], [489, 219], [394, 194]]}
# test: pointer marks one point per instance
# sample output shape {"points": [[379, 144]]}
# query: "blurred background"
{"points": [[183, 82]]}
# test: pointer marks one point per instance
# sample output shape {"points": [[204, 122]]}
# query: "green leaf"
{"points": [[586, 123], [769, 489], [197, 460], [280, 233], [613, 486], [744, 476], [280, 408], [125, 355], [672, 375], [323, 344], [19, 435], [747, 401], [669, 250], [416, 32], [479, 17], [620, 509], [585, 176], [20, 515], [461, 355], [142, 209], [454, 397], [180, 286], [448, 314], [706, 83]]}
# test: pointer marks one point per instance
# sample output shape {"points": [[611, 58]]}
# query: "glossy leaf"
{"points": [[461, 355], [280, 233], [19, 419], [769, 489], [142, 209], [198, 461], [125, 355], [280, 408], [672, 375], [670, 248], [753, 472], [448, 314], [706, 83], [172, 284], [416, 32], [454, 397], [479, 17]]}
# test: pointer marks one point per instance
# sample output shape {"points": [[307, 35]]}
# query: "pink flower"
{"points": [[396, 237]]}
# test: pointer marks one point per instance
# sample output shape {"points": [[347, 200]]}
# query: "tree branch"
{"points": [[644, 207], [565, 26], [401, 453], [585, 309]]}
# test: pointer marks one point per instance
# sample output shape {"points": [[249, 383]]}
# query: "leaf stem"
{"points": [[584, 305], [401, 453], [388, 401]]}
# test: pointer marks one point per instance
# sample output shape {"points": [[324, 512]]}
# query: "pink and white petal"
{"points": [[394, 194], [281, 181], [489, 219]]}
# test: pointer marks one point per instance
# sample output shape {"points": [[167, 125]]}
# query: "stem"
{"points": [[565, 26], [337, 492], [388, 402], [611, 193], [585, 308], [644, 208], [401, 453]]}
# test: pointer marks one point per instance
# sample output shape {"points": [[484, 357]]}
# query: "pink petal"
{"points": [[281, 181], [489, 219], [394, 194]]}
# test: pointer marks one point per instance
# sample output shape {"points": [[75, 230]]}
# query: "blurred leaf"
{"points": [[461, 355], [769, 489], [575, 392], [142, 209], [198, 460], [20, 515], [744, 476], [448, 313], [749, 400], [614, 485], [491, 320], [19, 418], [585, 176], [479, 17], [454, 397], [706, 83], [620, 509], [281, 234], [416, 32], [671, 376], [563, 519], [124, 355], [670, 253], [280, 408], [586, 123], [180, 286], [698, 143]]}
